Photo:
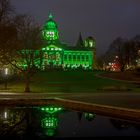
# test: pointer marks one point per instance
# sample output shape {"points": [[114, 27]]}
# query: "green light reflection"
{"points": [[89, 116], [50, 120], [51, 109]]}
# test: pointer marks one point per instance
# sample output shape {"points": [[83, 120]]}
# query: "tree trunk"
{"points": [[122, 67], [27, 83]]}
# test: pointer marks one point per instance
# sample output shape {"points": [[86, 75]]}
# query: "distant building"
{"points": [[58, 54]]}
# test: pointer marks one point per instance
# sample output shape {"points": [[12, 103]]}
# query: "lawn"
{"points": [[69, 82]]}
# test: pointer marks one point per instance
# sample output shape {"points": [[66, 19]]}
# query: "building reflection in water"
{"points": [[88, 116], [42, 122], [50, 119], [26, 122]]}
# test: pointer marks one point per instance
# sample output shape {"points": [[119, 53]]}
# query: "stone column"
{"points": [[72, 59], [80, 59], [67, 58], [85, 58], [76, 59]]}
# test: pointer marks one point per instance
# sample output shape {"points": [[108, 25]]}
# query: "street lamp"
{"points": [[6, 73]]}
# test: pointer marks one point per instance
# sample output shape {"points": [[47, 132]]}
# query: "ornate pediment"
{"points": [[52, 48]]}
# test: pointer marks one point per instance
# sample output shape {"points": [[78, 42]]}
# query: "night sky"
{"points": [[103, 19]]}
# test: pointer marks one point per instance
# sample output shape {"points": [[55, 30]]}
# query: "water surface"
{"points": [[56, 121]]}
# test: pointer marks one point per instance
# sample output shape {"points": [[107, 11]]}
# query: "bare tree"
{"points": [[117, 48], [8, 40], [126, 50], [5, 9], [7, 30], [29, 54], [22, 49]]}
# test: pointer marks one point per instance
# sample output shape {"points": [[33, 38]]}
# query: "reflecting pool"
{"points": [[56, 121]]}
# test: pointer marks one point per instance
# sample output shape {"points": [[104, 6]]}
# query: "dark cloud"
{"points": [[104, 19]]}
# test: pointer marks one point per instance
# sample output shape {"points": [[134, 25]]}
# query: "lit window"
{"points": [[91, 44]]}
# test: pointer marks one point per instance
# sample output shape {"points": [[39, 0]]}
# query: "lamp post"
{"points": [[6, 74]]}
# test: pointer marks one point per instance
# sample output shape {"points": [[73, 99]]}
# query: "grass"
{"points": [[70, 82]]}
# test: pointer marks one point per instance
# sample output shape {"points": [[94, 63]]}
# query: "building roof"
{"points": [[75, 48]]}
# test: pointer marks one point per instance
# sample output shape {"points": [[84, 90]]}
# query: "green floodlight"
{"points": [[43, 49]]}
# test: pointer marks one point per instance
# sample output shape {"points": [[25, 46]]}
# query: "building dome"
{"points": [[90, 42], [50, 31], [50, 23]]}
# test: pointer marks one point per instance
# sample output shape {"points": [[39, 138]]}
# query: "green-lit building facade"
{"points": [[57, 54]]}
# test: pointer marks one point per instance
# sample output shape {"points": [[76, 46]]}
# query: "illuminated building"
{"points": [[57, 54]]}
